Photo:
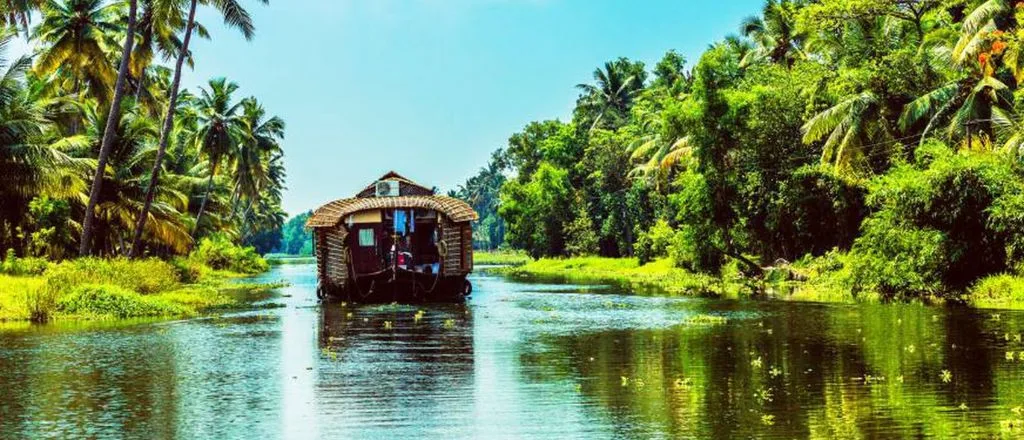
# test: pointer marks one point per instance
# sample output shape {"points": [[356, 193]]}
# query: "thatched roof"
{"points": [[331, 213]]}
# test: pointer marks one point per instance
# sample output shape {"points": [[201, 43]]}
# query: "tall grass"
{"points": [[96, 288]]}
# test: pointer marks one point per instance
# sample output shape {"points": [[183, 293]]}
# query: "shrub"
{"points": [[142, 276], [940, 224], [897, 261], [188, 270], [219, 253], [14, 265], [655, 242], [104, 300]]}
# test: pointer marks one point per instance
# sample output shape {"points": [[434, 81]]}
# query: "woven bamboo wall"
{"points": [[467, 246], [451, 233], [332, 255]]}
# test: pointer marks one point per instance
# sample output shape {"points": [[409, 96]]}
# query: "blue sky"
{"points": [[430, 87]]}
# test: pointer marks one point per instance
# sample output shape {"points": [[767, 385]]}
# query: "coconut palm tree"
{"points": [[14, 13], [775, 34], [76, 37], [260, 141], [113, 119], [29, 167], [611, 95], [851, 129], [234, 16], [220, 129]]}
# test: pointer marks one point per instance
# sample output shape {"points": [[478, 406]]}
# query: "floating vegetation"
{"points": [[946, 376], [703, 319], [768, 420], [387, 325], [449, 324], [963, 406], [757, 363], [899, 378], [774, 372], [910, 348], [624, 380], [418, 316]]}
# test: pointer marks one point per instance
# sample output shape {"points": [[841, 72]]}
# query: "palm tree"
{"points": [[612, 94], [123, 191], [220, 128], [234, 16], [775, 34], [113, 120], [849, 128], [76, 37], [260, 141], [15, 13], [29, 167], [962, 105]]}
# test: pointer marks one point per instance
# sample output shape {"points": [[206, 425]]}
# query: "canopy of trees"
{"points": [[93, 126], [884, 133]]}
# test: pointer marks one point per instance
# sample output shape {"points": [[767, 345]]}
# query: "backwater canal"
{"points": [[522, 360]]}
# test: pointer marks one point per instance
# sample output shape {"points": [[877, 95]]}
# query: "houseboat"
{"points": [[395, 241]]}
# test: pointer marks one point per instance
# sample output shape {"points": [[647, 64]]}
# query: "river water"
{"points": [[522, 361]]}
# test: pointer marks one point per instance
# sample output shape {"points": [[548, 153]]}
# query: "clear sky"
{"points": [[430, 87]]}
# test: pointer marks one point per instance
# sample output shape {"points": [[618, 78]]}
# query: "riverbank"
{"points": [[501, 258], [802, 281], [90, 289]]}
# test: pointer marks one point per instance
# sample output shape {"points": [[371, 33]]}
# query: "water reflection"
{"points": [[520, 360]]}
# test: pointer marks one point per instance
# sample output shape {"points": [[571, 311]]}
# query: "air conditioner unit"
{"points": [[387, 188]]}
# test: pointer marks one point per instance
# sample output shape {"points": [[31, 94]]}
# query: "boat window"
{"points": [[366, 238]]}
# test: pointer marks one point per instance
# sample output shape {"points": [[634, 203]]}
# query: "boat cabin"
{"points": [[395, 240]]}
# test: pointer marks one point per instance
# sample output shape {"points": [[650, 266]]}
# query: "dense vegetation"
{"points": [[102, 153], [32, 288], [877, 144]]}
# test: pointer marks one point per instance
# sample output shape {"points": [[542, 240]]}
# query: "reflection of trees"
{"points": [[67, 384], [822, 372]]}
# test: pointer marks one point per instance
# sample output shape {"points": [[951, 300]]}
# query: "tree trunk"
{"points": [[113, 120], [202, 206], [165, 135]]}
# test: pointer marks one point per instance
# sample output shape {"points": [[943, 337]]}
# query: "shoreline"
{"points": [[660, 277], [118, 289]]}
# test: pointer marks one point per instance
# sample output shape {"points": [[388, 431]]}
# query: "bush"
{"points": [[219, 253], [655, 242], [939, 225], [14, 265], [189, 271], [104, 300], [897, 261], [142, 276]]}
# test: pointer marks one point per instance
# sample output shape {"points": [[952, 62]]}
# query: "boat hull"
{"points": [[401, 286]]}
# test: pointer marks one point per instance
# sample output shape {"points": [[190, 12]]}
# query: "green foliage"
{"points": [[580, 237], [813, 211], [143, 276], [535, 211], [14, 265], [296, 239], [655, 242], [219, 253], [101, 301]]}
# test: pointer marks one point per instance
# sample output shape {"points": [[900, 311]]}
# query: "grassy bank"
{"points": [[282, 259], [105, 289], [658, 276], [501, 258], [810, 280]]}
